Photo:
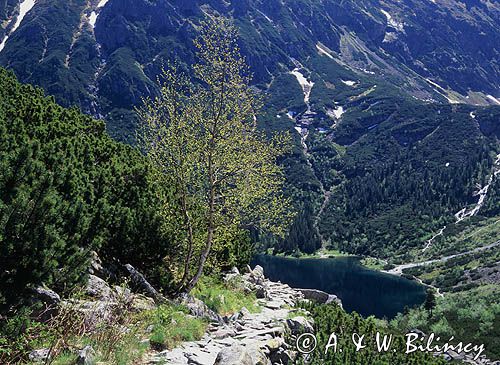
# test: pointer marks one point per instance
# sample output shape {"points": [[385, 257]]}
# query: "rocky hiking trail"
{"points": [[250, 338]]}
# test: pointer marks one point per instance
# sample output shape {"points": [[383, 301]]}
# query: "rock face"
{"points": [[199, 309], [98, 288], [234, 355], [86, 356], [320, 296], [39, 356], [298, 325], [47, 296], [245, 337], [140, 282], [464, 37]]}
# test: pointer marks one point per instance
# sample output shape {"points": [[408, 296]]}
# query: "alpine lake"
{"points": [[365, 291]]}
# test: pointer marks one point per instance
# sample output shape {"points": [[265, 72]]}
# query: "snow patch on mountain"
{"points": [[493, 99], [95, 13], [304, 83], [338, 112], [265, 16], [442, 91], [348, 82], [399, 26], [323, 50], [24, 8]]}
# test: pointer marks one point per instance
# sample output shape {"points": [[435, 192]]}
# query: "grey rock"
{"points": [[298, 325], [275, 344], [283, 357], [123, 294], [260, 292], [86, 356], [96, 267], [141, 303], [418, 332], [258, 271], [39, 356], [98, 288], [93, 313], [199, 309], [224, 333], [235, 317], [319, 296], [258, 356], [47, 296], [244, 312], [142, 284], [234, 355]]}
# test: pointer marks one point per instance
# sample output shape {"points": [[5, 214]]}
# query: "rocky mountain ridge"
{"points": [[104, 55]]}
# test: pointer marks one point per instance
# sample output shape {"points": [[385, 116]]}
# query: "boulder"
{"points": [[141, 303], [258, 356], [255, 276], [140, 282], [224, 332], [39, 356], [274, 344], [98, 288], [199, 309], [283, 357], [92, 313], [258, 271], [260, 292], [234, 355], [123, 294], [86, 356], [244, 312], [298, 325], [47, 296], [319, 296]]}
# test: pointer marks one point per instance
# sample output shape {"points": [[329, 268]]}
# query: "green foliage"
{"points": [[430, 301], [172, 325], [203, 142], [66, 188], [224, 298], [19, 334], [302, 236], [471, 316], [330, 319], [396, 185]]}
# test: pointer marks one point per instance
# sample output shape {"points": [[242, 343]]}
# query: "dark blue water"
{"points": [[365, 291]]}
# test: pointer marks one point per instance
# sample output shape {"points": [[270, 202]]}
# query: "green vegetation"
{"points": [[202, 140], [224, 298], [66, 188], [373, 263], [465, 271], [330, 319], [392, 206], [470, 316], [172, 325], [164, 327]]}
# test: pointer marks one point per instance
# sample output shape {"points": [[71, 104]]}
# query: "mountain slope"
{"points": [[107, 53], [368, 89]]}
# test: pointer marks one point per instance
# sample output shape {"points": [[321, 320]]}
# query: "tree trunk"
{"points": [[210, 233]]}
